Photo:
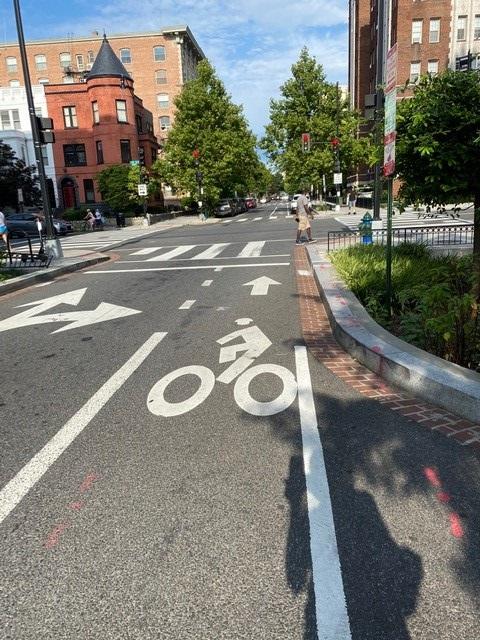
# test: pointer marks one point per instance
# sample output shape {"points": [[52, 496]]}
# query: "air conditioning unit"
{"points": [[88, 66]]}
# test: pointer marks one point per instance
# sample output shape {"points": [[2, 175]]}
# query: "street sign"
{"points": [[337, 178], [391, 71], [142, 190], [134, 163]]}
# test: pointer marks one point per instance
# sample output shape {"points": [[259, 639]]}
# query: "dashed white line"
{"points": [[188, 304], [207, 283]]}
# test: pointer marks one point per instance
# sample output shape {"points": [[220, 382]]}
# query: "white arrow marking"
{"points": [[260, 285], [102, 313]]}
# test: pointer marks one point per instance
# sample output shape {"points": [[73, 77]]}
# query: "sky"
{"points": [[251, 43]]}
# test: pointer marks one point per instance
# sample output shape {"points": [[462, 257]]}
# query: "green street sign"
{"points": [[134, 163]]}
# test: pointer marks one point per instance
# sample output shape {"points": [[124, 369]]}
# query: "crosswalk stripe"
{"points": [[146, 252], [255, 219], [173, 253], [211, 252], [251, 250], [272, 217], [244, 220]]}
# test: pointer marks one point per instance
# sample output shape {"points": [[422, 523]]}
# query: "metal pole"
{"points": [[53, 245], [389, 246], [379, 104], [337, 151]]}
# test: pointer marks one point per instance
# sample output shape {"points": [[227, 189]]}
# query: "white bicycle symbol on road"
{"points": [[255, 342]]}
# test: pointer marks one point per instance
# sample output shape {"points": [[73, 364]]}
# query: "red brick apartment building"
{"points": [[98, 122], [159, 62]]}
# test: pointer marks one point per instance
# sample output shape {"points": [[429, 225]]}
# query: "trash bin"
{"points": [[365, 228]]}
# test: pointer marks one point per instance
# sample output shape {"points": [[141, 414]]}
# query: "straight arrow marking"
{"points": [[260, 285]]}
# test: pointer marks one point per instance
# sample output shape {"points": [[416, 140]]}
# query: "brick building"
{"points": [[98, 122], [431, 35], [159, 62]]}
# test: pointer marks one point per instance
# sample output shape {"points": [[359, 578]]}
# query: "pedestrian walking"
{"points": [[352, 201], [3, 229], [89, 219], [98, 219], [303, 217]]}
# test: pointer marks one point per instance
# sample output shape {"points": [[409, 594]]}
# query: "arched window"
{"points": [[162, 100], [125, 56], [40, 62], [161, 76]]}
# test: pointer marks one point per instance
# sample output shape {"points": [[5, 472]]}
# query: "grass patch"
{"points": [[433, 305]]}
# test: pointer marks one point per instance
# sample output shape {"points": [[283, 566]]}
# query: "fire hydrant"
{"points": [[365, 229]]}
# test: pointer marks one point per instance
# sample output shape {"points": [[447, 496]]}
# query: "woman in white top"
{"points": [[3, 229]]}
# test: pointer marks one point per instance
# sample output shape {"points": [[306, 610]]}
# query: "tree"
{"points": [[310, 104], [206, 120], [14, 175], [438, 145], [118, 186]]}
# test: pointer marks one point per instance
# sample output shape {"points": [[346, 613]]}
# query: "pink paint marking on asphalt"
{"points": [[432, 477], [456, 525], [443, 496], [88, 482], [76, 506], [54, 535]]}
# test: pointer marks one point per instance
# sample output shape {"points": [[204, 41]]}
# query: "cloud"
{"points": [[251, 43]]}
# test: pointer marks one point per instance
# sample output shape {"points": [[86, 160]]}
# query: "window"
{"points": [[414, 71], [12, 64], [80, 62], [121, 110], [417, 26], [16, 119], [138, 120], [89, 190], [38, 111], [432, 67], [65, 60], [43, 81], [14, 83], [40, 62], [44, 155], [95, 112], [90, 57], [5, 120], [434, 31], [159, 54], [461, 27], [74, 155], [125, 151], [99, 152], [125, 56], [162, 100], [70, 117], [164, 123], [161, 76], [476, 28]]}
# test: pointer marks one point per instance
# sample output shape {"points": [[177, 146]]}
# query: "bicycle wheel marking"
{"points": [[245, 401], [157, 404]]}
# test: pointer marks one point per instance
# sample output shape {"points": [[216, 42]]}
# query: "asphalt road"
{"points": [[139, 501]]}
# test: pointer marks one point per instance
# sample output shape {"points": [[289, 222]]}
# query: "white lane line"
{"points": [[198, 267], [272, 217], [18, 487], [172, 254], [188, 304], [225, 222], [212, 252], [43, 284], [244, 220], [145, 252], [255, 219], [330, 604], [207, 283], [252, 250]]}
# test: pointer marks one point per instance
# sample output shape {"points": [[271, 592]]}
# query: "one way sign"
{"points": [[75, 319]]}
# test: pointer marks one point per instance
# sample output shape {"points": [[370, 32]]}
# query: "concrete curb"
{"points": [[440, 382], [44, 275]]}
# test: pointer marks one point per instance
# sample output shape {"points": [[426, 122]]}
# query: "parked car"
{"points": [[225, 207], [251, 203], [241, 204], [22, 224], [263, 200]]}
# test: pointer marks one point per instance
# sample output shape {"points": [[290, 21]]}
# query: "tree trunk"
{"points": [[476, 246]]}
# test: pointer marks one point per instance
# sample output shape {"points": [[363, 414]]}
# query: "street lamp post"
{"points": [[52, 244]]}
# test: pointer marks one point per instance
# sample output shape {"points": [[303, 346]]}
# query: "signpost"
{"points": [[390, 135], [142, 190]]}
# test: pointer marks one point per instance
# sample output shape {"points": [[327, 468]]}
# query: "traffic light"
{"points": [[45, 129], [305, 142], [335, 142]]}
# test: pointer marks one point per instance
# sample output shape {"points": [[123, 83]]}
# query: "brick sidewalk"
{"points": [[322, 344]]}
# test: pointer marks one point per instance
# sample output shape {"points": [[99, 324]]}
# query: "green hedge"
{"points": [[433, 303]]}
